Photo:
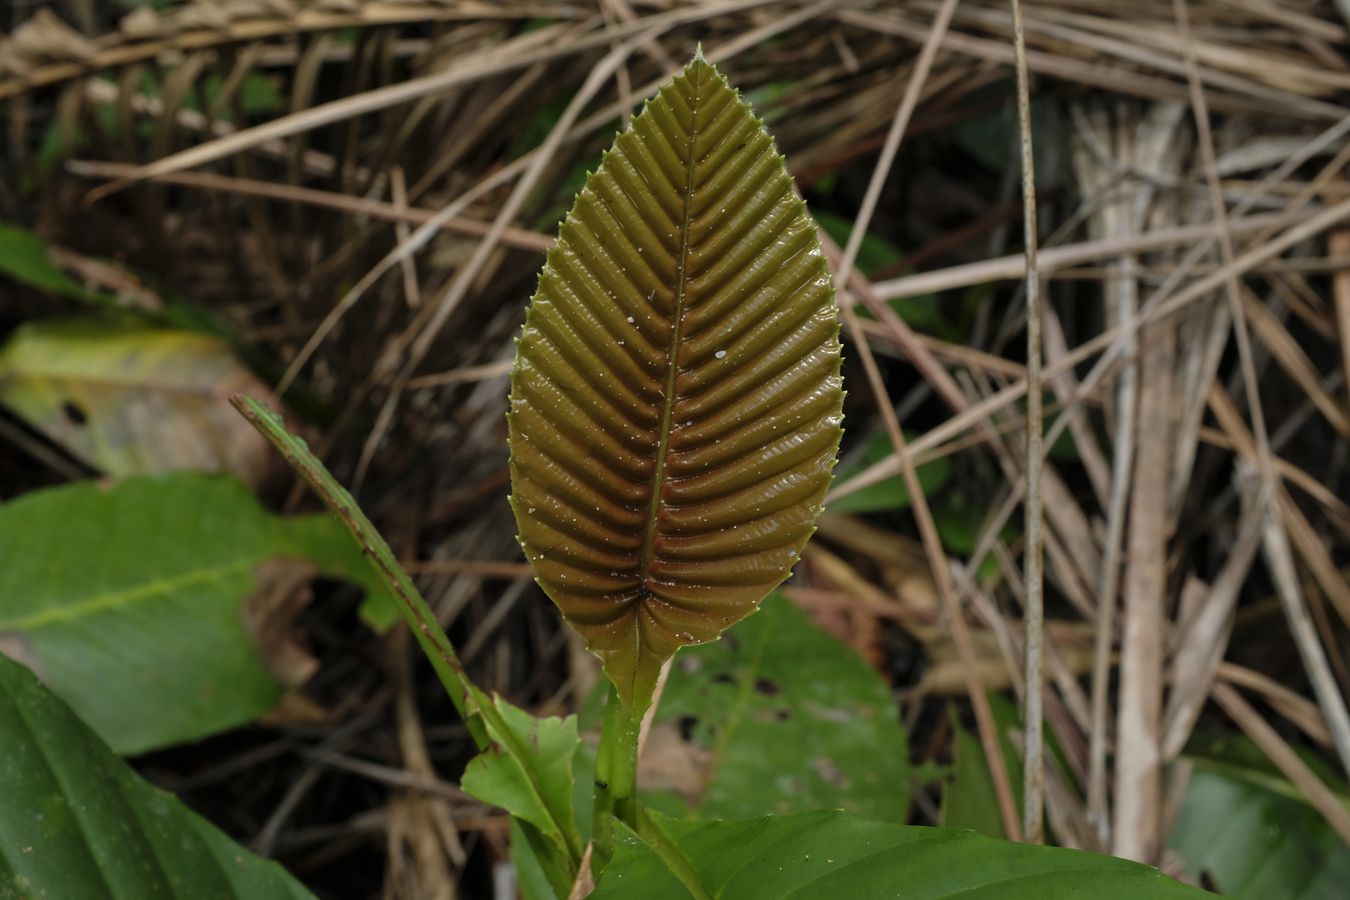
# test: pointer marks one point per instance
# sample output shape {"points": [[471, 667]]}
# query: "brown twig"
{"points": [[1033, 787]]}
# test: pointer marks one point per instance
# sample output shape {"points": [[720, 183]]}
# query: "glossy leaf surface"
{"points": [[77, 822], [834, 854], [676, 399]]}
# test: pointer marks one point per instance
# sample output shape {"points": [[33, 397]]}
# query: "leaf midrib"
{"points": [[672, 356], [103, 602]]}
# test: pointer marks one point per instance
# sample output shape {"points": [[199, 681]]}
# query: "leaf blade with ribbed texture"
{"points": [[676, 399]]}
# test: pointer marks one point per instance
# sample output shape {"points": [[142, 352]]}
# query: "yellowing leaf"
{"points": [[131, 400], [676, 399]]}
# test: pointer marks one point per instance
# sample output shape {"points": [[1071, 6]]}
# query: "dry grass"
{"points": [[372, 234]]}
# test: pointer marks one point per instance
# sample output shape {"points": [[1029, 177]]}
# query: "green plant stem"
{"points": [[615, 777], [480, 713], [432, 638]]}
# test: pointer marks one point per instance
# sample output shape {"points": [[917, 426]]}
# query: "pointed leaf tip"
{"points": [[676, 400]]}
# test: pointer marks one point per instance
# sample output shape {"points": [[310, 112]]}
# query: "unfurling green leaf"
{"points": [[501, 775], [676, 399]]}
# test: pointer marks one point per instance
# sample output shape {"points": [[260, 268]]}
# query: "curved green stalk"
{"points": [[615, 777], [479, 711]]}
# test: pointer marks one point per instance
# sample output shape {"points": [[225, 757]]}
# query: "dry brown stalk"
{"points": [[360, 206], [1288, 762], [1340, 246], [932, 543], [1053, 259], [1033, 787], [1138, 808], [1159, 307]]}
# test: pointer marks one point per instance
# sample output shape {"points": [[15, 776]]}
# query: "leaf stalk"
{"points": [[615, 777]]}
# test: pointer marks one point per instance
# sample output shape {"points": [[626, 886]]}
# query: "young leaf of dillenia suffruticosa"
{"points": [[676, 399]]}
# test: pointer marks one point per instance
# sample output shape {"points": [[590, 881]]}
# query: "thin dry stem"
{"points": [[1276, 540], [1033, 787]]}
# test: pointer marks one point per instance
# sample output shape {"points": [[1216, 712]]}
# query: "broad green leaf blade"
{"points": [[778, 695], [500, 777], [1251, 832], [77, 822], [676, 398], [834, 854], [130, 400], [144, 604]]}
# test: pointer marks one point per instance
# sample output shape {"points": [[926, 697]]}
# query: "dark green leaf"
{"points": [[676, 400], [77, 823], [1253, 834], [969, 800], [958, 524], [779, 717], [134, 602], [873, 253], [834, 854]]}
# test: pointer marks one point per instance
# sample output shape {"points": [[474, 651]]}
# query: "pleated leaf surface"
{"points": [[676, 400]]}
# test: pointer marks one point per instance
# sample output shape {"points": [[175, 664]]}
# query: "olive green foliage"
{"points": [[676, 399]]}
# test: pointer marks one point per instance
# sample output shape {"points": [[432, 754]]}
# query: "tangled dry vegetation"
{"points": [[359, 193]]}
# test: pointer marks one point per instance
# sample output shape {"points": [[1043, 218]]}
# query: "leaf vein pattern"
{"points": [[680, 359], [112, 600], [76, 810]]}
